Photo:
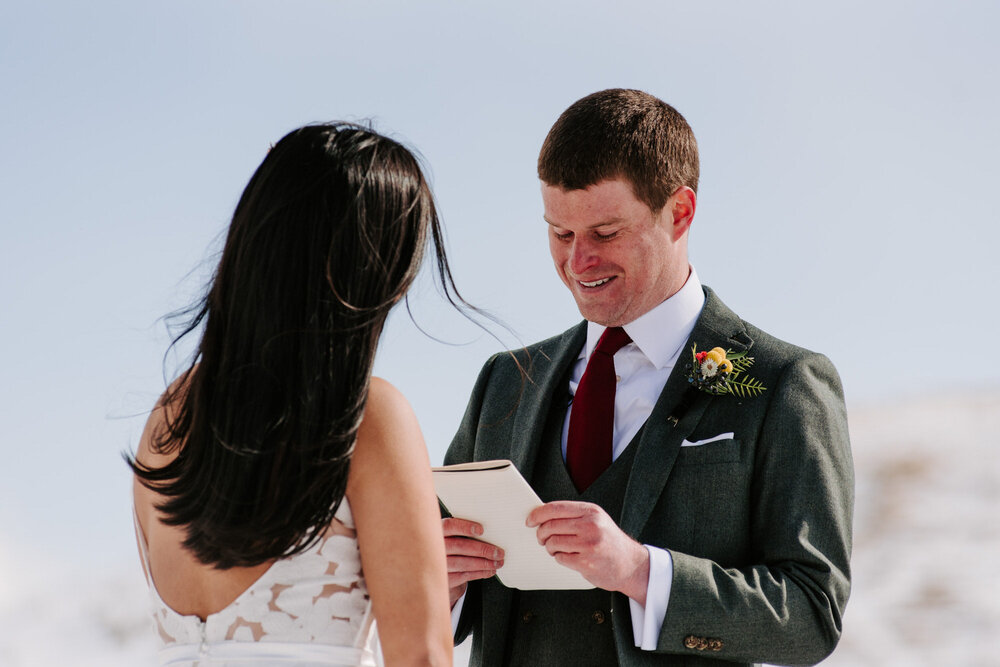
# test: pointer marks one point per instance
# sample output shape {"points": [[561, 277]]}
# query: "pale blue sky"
{"points": [[847, 200]]}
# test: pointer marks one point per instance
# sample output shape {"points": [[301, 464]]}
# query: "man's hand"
{"points": [[468, 558], [583, 537]]}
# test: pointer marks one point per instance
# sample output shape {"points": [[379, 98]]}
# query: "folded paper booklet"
{"points": [[494, 494]]}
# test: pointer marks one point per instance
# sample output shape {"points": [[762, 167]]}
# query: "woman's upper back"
{"points": [[317, 597], [186, 585], [388, 521]]}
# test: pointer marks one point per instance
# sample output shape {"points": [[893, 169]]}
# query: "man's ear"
{"points": [[681, 207]]}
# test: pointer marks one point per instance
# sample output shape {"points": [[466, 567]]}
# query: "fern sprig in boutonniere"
{"points": [[721, 372]]}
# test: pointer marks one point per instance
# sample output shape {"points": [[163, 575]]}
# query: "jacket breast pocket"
{"points": [[717, 451]]}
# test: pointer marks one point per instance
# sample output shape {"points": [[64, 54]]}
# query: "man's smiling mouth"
{"points": [[595, 283]]}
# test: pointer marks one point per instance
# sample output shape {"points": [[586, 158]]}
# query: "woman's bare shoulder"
{"points": [[156, 430], [150, 453], [385, 400], [387, 411], [389, 434]]}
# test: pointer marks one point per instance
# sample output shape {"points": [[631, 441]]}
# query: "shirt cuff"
{"points": [[456, 612], [647, 621]]}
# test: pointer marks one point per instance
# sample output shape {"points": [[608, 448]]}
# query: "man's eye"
{"points": [[605, 237], [563, 236]]}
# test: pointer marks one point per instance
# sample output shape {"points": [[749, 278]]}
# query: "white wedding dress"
{"points": [[309, 610]]}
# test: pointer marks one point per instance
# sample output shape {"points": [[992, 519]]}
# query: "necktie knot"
{"points": [[612, 340]]}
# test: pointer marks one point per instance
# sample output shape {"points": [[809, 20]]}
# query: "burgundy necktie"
{"points": [[592, 417]]}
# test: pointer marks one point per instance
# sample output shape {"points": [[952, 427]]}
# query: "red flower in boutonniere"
{"points": [[719, 372]]}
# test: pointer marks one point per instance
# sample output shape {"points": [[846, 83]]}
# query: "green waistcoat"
{"points": [[572, 628]]}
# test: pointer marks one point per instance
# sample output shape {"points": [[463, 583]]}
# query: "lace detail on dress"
{"points": [[316, 597]]}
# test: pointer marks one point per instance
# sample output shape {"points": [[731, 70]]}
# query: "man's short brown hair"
{"points": [[620, 133]]}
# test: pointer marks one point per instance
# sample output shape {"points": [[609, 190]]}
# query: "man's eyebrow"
{"points": [[603, 223]]}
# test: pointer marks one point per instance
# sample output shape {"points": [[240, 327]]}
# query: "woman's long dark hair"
{"points": [[328, 234]]}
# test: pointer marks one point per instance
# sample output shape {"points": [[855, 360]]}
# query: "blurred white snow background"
{"points": [[927, 541], [926, 534]]}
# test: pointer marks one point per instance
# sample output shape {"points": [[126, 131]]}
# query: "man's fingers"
{"points": [[463, 546], [572, 561], [468, 558], [566, 544], [460, 528], [562, 527], [458, 564], [560, 509]]}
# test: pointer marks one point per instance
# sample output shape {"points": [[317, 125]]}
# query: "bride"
{"points": [[283, 496]]}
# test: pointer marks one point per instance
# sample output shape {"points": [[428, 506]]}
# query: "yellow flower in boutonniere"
{"points": [[718, 372], [716, 354]]}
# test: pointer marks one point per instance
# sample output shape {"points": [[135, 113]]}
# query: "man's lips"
{"points": [[592, 284]]}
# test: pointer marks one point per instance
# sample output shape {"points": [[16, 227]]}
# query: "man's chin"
{"points": [[598, 315]]}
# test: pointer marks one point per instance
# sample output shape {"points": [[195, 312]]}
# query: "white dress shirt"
{"points": [[642, 366]]}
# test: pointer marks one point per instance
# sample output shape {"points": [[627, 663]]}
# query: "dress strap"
{"points": [[140, 538]]}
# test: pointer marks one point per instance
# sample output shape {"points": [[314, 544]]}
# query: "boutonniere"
{"points": [[722, 372]]}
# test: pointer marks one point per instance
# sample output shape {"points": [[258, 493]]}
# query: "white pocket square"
{"points": [[721, 436]]}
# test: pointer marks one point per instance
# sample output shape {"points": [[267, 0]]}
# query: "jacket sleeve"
{"points": [[786, 606]]}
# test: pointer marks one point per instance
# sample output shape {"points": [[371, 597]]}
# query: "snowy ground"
{"points": [[927, 547], [927, 535]]}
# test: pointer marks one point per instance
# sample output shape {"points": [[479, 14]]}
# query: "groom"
{"points": [[695, 469]]}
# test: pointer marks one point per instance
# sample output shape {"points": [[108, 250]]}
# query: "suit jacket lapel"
{"points": [[547, 370], [661, 438]]}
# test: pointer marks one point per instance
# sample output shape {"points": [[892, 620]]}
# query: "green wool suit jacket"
{"points": [[759, 526]]}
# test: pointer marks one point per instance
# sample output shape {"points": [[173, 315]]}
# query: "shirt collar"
{"points": [[660, 333]]}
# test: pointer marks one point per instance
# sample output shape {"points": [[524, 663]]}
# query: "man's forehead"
{"points": [[603, 203]]}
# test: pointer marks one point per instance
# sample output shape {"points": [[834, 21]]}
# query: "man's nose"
{"points": [[582, 256]]}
